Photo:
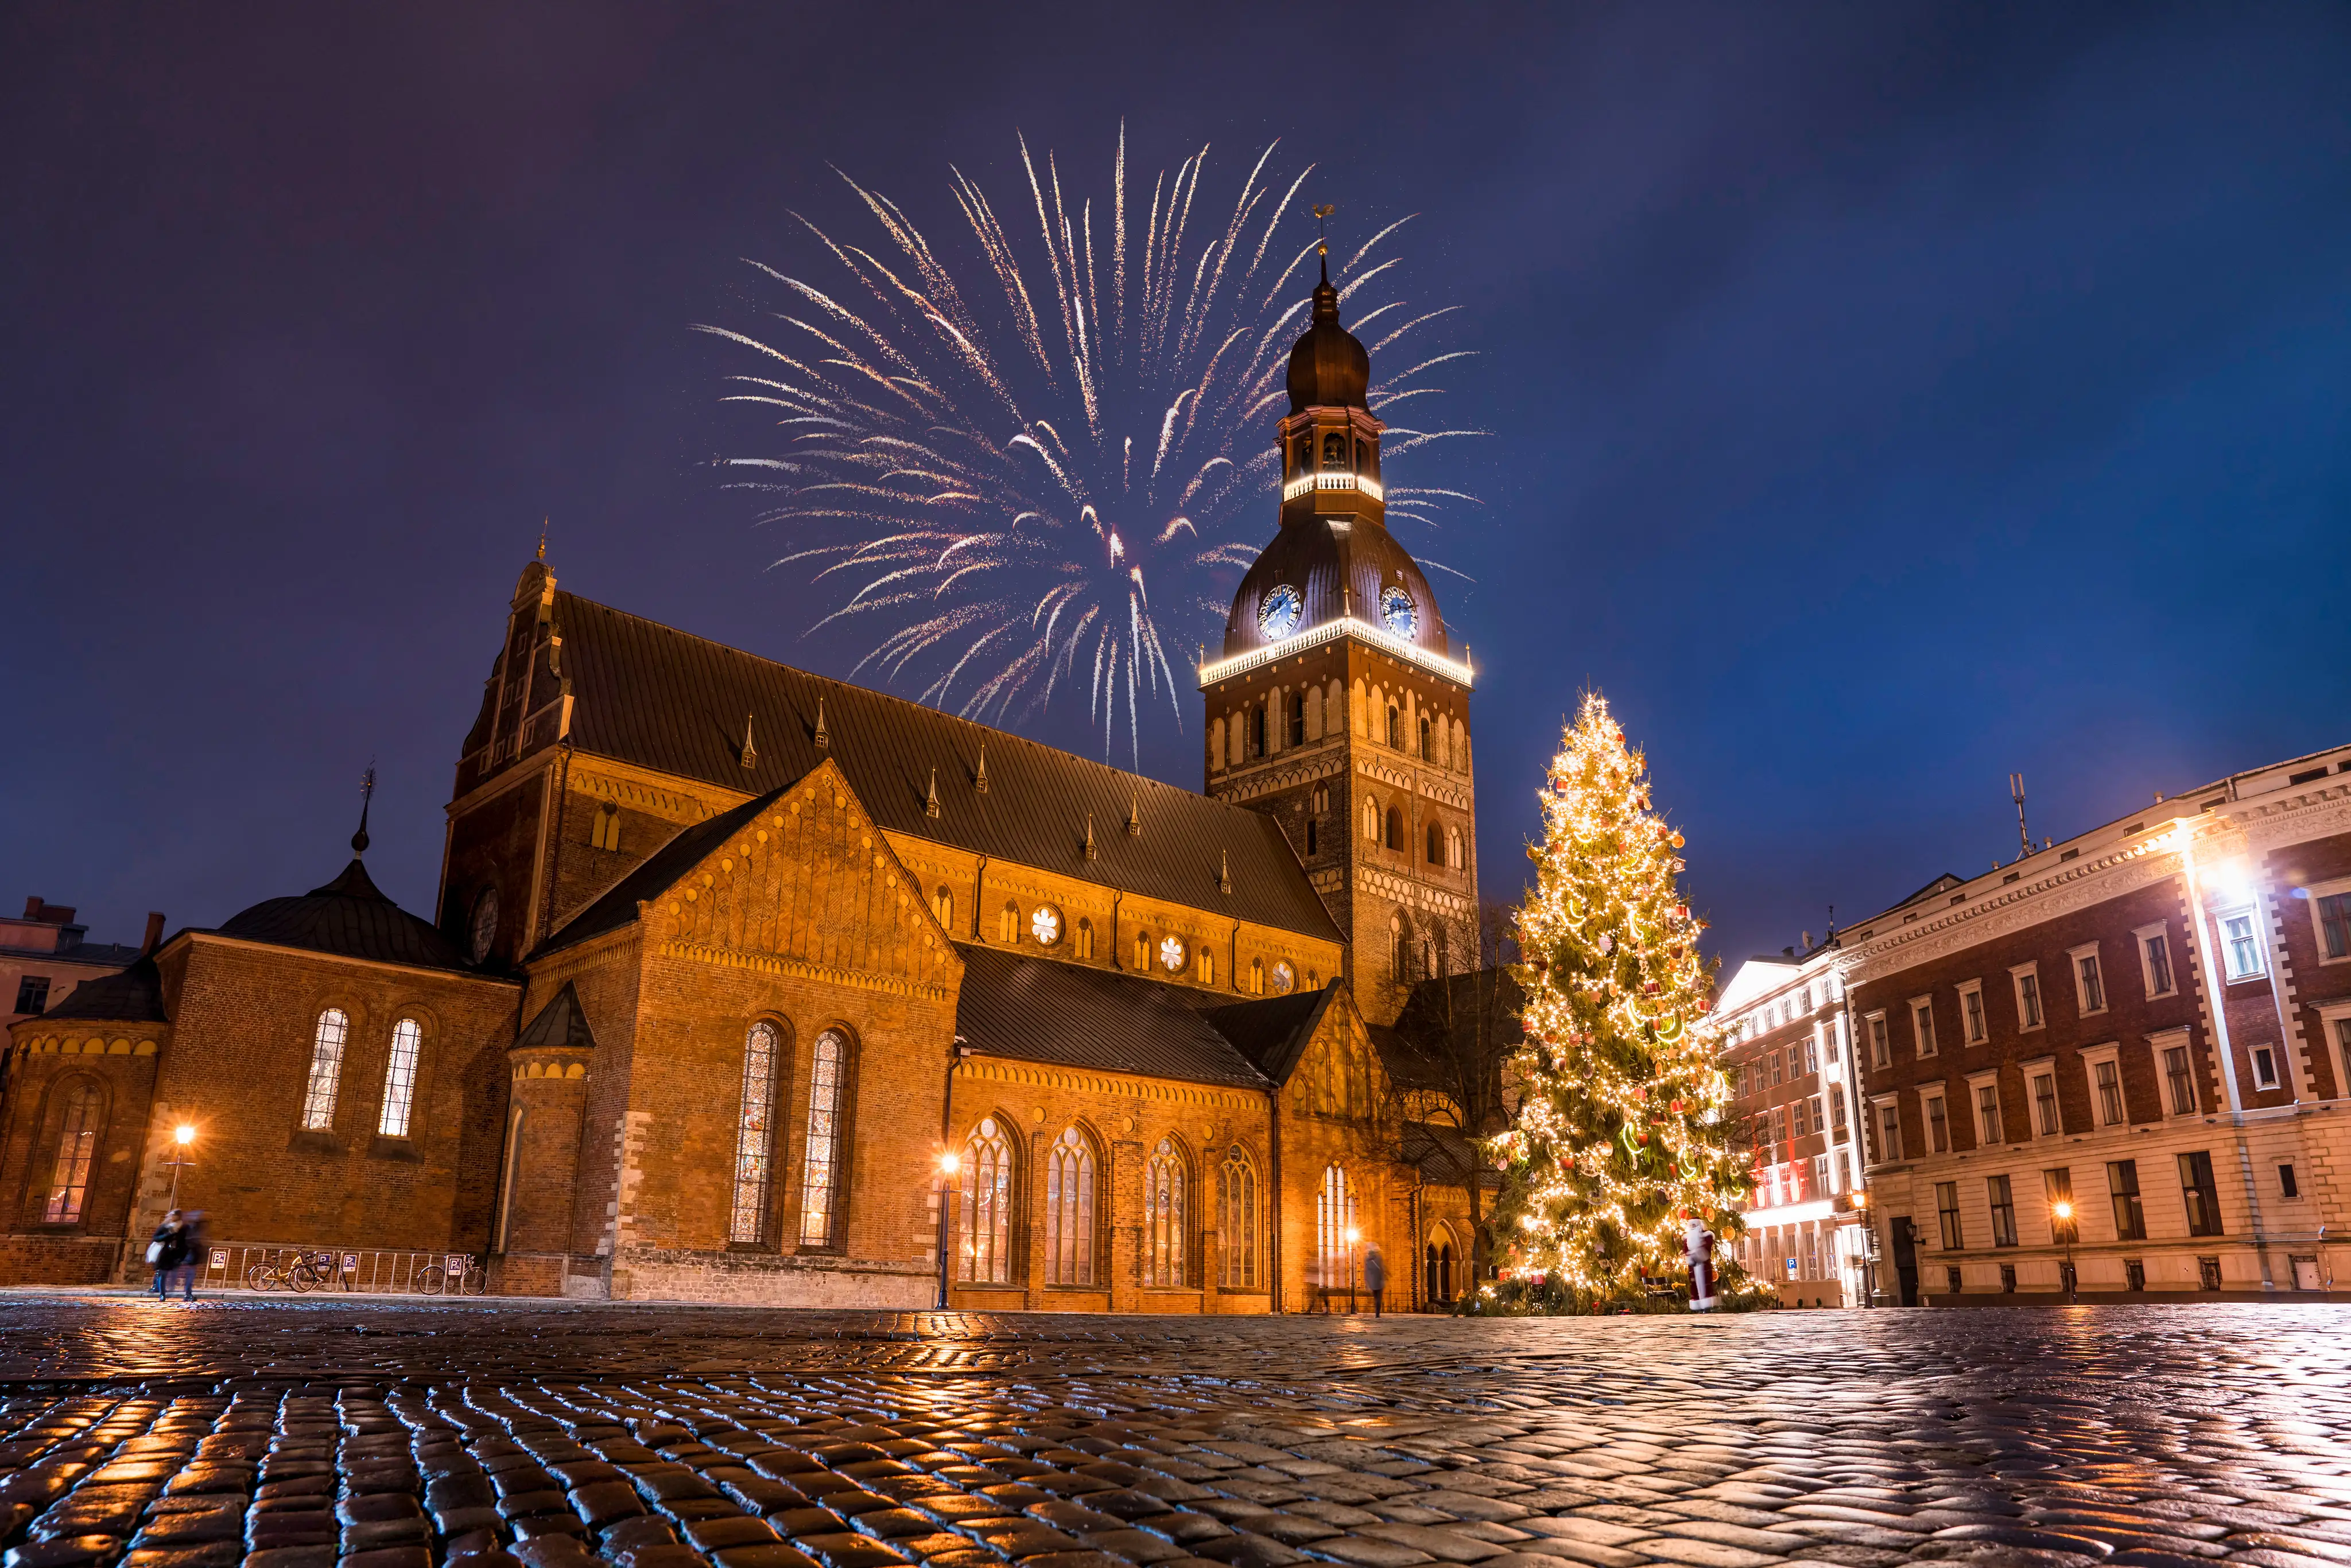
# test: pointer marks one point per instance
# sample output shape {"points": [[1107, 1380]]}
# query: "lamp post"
{"points": [[949, 1163], [182, 1136], [1353, 1236], [2063, 1212]]}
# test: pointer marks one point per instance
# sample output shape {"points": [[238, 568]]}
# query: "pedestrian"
{"points": [[1318, 1298], [192, 1252], [1375, 1276], [163, 1251]]}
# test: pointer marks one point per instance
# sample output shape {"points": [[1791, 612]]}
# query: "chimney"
{"points": [[32, 907], [154, 931]]}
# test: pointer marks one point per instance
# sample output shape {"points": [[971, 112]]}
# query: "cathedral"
{"points": [[746, 985]]}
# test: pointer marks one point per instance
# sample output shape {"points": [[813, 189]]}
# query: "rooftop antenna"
{"points": [[367, 794], [2016, 793]]}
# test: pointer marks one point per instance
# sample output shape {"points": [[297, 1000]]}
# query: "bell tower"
{"points": [[1338, 706]]}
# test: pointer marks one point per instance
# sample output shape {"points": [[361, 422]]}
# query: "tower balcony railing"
{"points": [[1379, 637], [1363, 482]]}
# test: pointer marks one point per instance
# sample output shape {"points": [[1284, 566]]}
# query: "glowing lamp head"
{"points": [[950, 1163], [1353, 1236], [2061, 1209], [183, 1135]]}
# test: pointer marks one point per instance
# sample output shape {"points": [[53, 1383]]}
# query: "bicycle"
{"points": [[296, 1271], [470, 1279]]}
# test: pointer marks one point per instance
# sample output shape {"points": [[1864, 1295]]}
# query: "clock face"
{"points": [[1171, 954], [1045, 925], [485, 929], [1397, 612], [1278, 613]]}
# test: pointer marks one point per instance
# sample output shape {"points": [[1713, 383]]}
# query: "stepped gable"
{"points": [[1038, 1009], [134, 994], [669, 702], [349, 918]]}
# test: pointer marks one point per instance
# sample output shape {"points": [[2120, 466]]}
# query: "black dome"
{"points": [[1328, 368], [1336, 571], [350, 918]]}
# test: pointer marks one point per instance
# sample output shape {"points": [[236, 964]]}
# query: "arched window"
{"points": [[400, 1078], [1237, 1221], [1363, 455], [1070, 1211], [984, 1196], [1395, 828], [1440, 1267], [820, 1172], [943, 906], [1142, 952], [1396, 947], [326, 1071], [1295, 702], [1257, 976], [1424, 739], [1322, 799], [1395, 727], [1435, 845], [1256, 730], [1008, 923], [1334, 450], [1163, 1216], [77, 1153], [1082, 944], [755, 1137], [1334, 1231], [1206, 958], [1371, 821], [1302, 455], [604, 828]]}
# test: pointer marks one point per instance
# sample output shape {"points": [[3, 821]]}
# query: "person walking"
{"points": [[1318, 1298], [163, 1251], [192, 1252], [1376, 1275]]}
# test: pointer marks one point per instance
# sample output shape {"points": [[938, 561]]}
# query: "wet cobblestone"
{"points": [[310, 1434]]}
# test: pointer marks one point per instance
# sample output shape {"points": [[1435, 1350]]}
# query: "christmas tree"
{"points": [[1621, 1135]]}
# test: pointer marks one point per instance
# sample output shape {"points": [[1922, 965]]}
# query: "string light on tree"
{"points": [[1621, 1139]]}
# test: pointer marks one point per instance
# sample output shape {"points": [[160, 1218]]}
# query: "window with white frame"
{"points": [[1937, 1117], [2026, 978], [2103, 1067], [2041, 1089], [2265, 1067], [2240, 944], [1880, 1053], [2089, 980], [2335, 1020], [1890, 1128], [2330, 917], [1985, 1093], [2155, 970], [1972, 1022], [2176, 1071], [1922, 1024]]}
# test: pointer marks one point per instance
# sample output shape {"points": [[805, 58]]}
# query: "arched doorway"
{"points": [[1441, 1262]]}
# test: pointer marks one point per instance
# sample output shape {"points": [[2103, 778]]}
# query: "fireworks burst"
{"points": [[998, 486]]}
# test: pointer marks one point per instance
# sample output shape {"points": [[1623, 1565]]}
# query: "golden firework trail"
{"points": [[995, 489]]}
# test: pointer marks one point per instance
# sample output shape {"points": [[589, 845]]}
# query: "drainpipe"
{"points": [[1273, 1231]]}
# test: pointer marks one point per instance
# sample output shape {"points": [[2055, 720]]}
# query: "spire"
{"points": [[367, 794], [750, 747], [1092, 852], [931, 801], [823, 741], [1134, 818], [1224, 871], [979, 781]]}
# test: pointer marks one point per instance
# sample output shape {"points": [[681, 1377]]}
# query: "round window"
{"points": [[1278, 613], [1282, 979], [1171, 954], [1045, 925], [485, 928], [987, 1127]]}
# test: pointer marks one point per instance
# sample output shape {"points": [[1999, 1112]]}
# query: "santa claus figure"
{"points": [[1698, 1247]]}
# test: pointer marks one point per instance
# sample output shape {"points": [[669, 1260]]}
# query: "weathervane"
{"points": [[367, 794], [1322, 239]]}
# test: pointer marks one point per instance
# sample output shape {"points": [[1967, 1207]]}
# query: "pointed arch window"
{"points": [[1255, 731], [1163, 1216], [1395, 828], [326, 1071], [820, 1172], [754, 1138], [77, 1153], [1082, 943], [1070, 1210], [1435, 845], [1296, 703], [1207, 966], [1257, 976], [943, 906], [400, 1078], [983, 1227], [1008, 923], [1334, 1229], [1371, 821], [1237, 1220], [1141, 951], [1395, 726]]}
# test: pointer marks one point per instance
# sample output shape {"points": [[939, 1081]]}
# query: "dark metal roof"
{"points": [[560, 1025], [133, 996], [1329, 367], [1444, 1156], [660, 698], [350, 919], [1037, 1009], [1337, 570], [658, 873], [1272, 1033]]}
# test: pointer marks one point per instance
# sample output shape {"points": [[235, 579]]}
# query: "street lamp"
{"points": [[181, 1136], [2063, 1212], [1353, 1236], [949, 1163]]}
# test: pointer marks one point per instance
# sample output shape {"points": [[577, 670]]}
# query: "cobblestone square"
{"points": [[291, 1434]]}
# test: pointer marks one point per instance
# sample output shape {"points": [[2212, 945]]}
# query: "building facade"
{"points": [[2117, 1067], [1787, 1049], [45, 953], [742, 984]]}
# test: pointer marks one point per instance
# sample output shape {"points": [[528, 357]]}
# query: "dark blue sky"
{"points": [[1885, 397]]}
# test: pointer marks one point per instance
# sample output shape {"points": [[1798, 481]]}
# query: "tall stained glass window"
{"points": [[819, 1189], [755, 1137]]}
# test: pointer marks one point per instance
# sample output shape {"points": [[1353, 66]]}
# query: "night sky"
{"points": [[1883, 397]]}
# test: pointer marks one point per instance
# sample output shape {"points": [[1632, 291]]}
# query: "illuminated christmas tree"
{"points": [[1621, 1135]]}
